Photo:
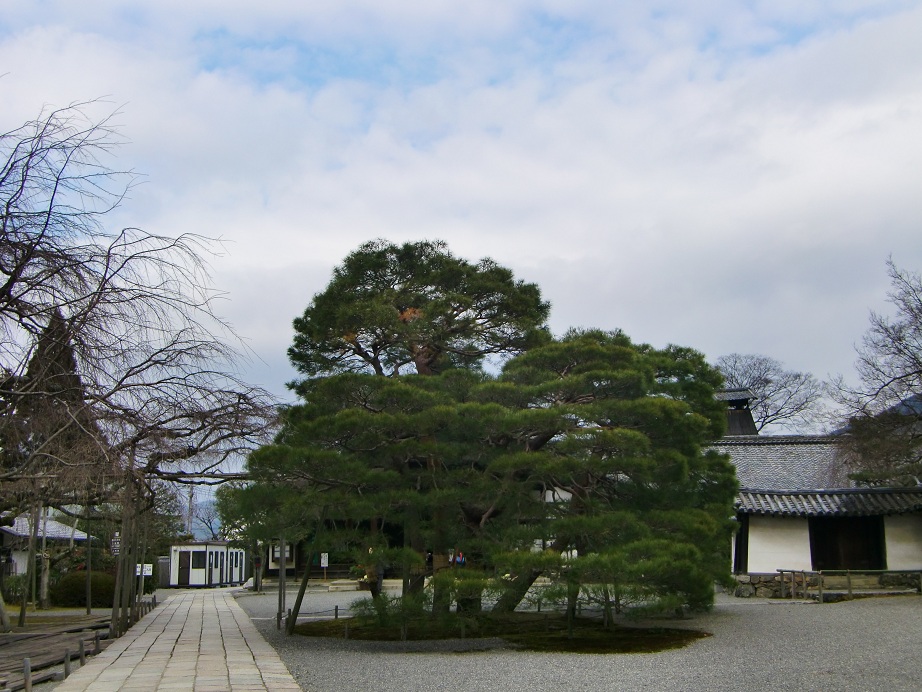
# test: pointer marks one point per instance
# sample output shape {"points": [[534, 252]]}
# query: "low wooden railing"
{"points": [[849, 574]]}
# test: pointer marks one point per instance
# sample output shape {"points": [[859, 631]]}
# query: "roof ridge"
{"points": [[834, 491], [754, 440]]}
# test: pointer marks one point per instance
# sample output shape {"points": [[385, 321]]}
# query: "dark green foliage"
{"points": [[47, 425], [584, 460], [70, 591], [395, 309], [612, 434]]}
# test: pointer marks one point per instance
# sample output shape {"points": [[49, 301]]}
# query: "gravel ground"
{"points": [[869, 644]]}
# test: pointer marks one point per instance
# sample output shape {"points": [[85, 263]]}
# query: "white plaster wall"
{"points": [[778, 543], [20, 561], [904, 541]]}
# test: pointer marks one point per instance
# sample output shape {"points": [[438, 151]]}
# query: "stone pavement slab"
{"points": [[197, 641]]}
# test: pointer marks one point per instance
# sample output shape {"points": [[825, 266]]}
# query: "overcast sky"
{"points": [[723, 175]]}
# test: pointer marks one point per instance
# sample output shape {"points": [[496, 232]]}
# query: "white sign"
{"points": [[324, 560], [116, 544], [148, 569]]}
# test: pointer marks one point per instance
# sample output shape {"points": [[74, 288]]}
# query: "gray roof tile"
{"points": [[851, 502], [785, 462], [56, 530]]}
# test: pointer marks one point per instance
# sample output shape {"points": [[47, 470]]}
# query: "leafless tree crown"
{"points": [[154, 381], [784, 398]]}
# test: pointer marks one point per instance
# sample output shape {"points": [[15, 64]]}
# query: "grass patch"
{"points": [[528, 631]]}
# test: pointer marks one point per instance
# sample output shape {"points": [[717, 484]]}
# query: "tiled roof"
{"points": [[851, 502], [785, 462], [56, 530]]}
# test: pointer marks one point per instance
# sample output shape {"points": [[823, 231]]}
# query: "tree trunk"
{"points": [[43, 602], [292, 621], [311, 551], [4, 616], [607, 607], [124, 576], [572, 597], [517, 590], [441, 599], [142, 554], [413, 582], [30, 566]]}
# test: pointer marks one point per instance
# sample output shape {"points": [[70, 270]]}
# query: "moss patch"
{"points": [[526, 631]]}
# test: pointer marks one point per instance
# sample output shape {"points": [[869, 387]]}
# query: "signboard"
{"points": [[148, 569], [324, 560], [116, 543]]}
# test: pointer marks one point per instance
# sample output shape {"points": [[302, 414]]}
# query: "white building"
{"points": [[798, 510], [14, 541], [206, 563]]}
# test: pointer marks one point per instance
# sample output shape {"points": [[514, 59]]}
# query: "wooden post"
{"points": [[95, 643], [336, 612], [820, 584], [66, 663], [848, 578], [27, 674], [82, 652]]}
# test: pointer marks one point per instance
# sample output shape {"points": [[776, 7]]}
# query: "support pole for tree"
{"points": [[89, 570], [283, 569]]}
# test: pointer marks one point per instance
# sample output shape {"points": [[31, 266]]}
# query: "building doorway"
{"points": [[847, 543]]}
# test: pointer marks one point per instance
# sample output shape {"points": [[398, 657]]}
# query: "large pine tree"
{"points": [[591, 447]]}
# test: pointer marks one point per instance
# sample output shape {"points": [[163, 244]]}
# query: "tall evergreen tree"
{"points": [[591, 446], [50, 432]]}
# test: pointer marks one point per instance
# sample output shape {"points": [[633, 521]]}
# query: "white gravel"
{"points": [[868, 644]]}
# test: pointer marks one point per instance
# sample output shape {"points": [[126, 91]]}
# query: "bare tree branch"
{"points": [[885, 410], [784, 398]]}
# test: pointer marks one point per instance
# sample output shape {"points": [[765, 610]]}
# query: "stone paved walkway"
{"points": [[195, 640]]}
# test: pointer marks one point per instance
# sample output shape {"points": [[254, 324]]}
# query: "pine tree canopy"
{"points": [[392, 310]]}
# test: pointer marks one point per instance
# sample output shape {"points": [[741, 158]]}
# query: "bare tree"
{"points": [[784, 398], [208, 518], [885, 409], [151, 385]]}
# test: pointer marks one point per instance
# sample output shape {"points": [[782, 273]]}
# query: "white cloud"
{"points": [[723, 176]]}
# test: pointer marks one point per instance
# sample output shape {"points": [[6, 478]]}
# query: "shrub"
{"points": [[71, 589], [15, 587]]}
